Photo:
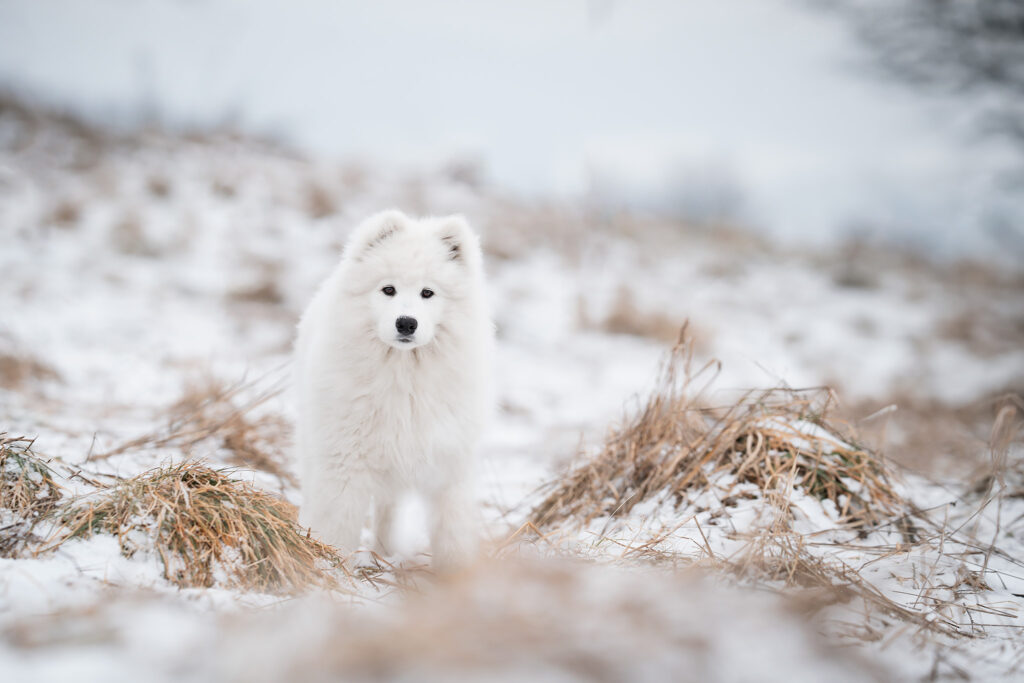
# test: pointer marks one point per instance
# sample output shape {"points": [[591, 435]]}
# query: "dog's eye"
{"points": [[427, 293], [389, 290]]}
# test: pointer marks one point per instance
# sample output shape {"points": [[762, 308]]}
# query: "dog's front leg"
{"points": [[454, 526], [383, 522], [336, 510]]}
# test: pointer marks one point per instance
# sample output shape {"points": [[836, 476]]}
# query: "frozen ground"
{"points": [[136, 269]]}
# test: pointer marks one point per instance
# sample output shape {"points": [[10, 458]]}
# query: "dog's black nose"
{"points": [[405, 325]]}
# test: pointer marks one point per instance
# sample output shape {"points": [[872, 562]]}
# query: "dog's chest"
{"points": [[404, 415]]}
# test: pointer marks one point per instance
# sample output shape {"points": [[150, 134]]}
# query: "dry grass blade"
{"points": [[16, 370], [207, 528], [1004, 432]]}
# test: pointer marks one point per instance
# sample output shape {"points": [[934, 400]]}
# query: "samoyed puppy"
{"points": [[392, 371]]}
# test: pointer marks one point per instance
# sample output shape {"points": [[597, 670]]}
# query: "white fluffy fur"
{"points": [[378, 416]]}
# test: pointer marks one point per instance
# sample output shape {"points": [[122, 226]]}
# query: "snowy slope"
{"points": [[136, 268]]}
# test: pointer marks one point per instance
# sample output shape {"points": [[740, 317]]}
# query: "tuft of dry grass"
{"points": [[767, 447], [128, 235], [775, 439], [625, 317], [27, 484], [17, 369], [266, 291], [264, 287], [320, 201], [224, 188], [65, 214], [207, 528], [28, 489], [520, 230], [984, 330], [159, 186]]}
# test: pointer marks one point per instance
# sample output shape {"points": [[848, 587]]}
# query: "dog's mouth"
{"points": [[404, 342]]}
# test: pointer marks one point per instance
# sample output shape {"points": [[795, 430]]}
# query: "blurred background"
{"points": [[831, 192], [809, 121]]}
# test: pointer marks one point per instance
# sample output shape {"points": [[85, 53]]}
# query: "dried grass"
{"points": [[28, 489], [207, 528], [320, 201], [776, 439], [159, 186], [27, 484], [211, 410], [264, 292], [128, 235], [224, 188], [625, 317], [768, 447], [264, 287], [922, 434], [65, 214], [947, 597], [1003, 475], [16, 369], [984, 329], [256, 443]]}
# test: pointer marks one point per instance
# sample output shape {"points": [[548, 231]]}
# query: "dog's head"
{"points": [[413, 275]]}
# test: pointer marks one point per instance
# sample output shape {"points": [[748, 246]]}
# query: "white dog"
{"points": [[392, 373]]}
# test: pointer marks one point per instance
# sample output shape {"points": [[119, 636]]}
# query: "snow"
{"points": [[145, 290]]}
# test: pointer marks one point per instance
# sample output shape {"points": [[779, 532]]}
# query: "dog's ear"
{"points": [[461, 244], [374, 231]]}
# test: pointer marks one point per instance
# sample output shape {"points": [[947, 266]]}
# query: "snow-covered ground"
{"points": [[133, 269]]}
